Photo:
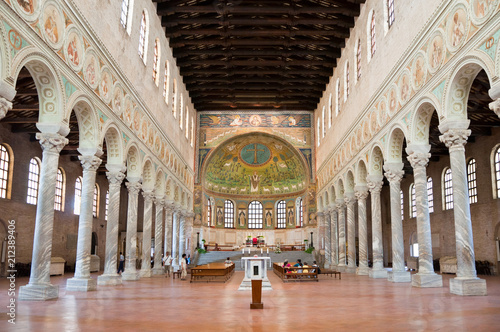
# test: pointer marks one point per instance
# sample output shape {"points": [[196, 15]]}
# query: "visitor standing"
{"points": [[167, 264], [122, 263], [183, 267]]}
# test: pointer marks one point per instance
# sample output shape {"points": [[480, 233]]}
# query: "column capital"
{"points": [[374, 183], [332, 208], [455, 138], [133, 187], [349, 199], [320, 213], [90, 162], [52, 142], [494, 106], [148, 195], [340, 203], [418, 159], [5, 106], [394, 172], [361, 192], [159, 201], [115, 177]]}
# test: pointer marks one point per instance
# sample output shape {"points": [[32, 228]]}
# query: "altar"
{"points": [[255, 269]]}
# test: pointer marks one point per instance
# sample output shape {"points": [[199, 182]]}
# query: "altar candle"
{"points": [[261, 250], [268, 250], [243, 250]]}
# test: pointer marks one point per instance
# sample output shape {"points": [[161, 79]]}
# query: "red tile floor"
{"points": [[355, 303]]}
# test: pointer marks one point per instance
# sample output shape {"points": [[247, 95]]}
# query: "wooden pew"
{"points": [[289, 274], [215, 272], [332, 273]]}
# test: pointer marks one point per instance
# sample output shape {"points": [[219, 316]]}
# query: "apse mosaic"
{"points": [[255, 165]]}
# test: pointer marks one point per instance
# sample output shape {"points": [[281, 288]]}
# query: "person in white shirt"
{"points": [[122, 262], [167, 264]]}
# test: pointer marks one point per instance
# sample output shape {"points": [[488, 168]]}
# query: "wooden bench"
{"points": [[291, 273], [332, 273], [215, 272]]}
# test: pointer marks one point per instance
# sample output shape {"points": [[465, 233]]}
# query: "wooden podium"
{"points": [[256, 294]]}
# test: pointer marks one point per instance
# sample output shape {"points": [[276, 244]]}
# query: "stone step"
{"points": [[235, 256]]}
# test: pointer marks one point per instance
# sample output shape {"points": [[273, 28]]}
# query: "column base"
{"points": [[426, 280], [146, 273], [158, 271], [341, 268], [81, 285], [38, 292], [350, 269], [363, 271], [377, 274], [109, 280], [131, 276], [399, 276], [468, 287]]}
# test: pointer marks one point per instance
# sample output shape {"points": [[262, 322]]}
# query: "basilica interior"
{"points": [[361, 135]]}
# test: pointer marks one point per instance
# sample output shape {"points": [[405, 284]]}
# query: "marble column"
{"points": [[350, 200], [321, 230], [169, 218], [146, 234], [394, 173], [341, 224], [115, 178], [182, 234], [175, 238], [5, 106], [157, 267], [418, 156], [82, 281], [466, 282], [130, 273], [328, 240], [334, 236], [39, 286], [361, 193], [374, 183]]}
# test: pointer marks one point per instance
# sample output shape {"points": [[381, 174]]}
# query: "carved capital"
{"points": [[349, 199], [455, 138], [340, 205], [393, 175], [159, 202], [418, 159], [148, 195], [361, 195], [115, 178], [51, 142], [374, 186], [495, 107], [5, 106], [90, 163], [133, 187]]}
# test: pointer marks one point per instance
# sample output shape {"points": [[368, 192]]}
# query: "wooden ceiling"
{"points": [[257, 55]]}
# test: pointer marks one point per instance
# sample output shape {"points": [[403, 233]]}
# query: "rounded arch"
{"points": [[376, 160], [48, 85], [459, 84], [177, 197], [332, 195], [88, 125], [169, 189], [133, 161], [339, 189], [349, 181], [148, 175], [395, 145], [361, 173], [183, 199], [114, 144], [420, 124], [160, 183]]}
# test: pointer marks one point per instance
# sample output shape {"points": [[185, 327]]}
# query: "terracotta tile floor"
{"points": [[355, 303]]}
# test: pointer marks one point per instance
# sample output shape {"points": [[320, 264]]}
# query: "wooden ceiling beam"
{"points": [[275, 79], [180, 42], [197, 86], [264, 71], [339, 33], [246, 93], [185, 52], [253, 63]]}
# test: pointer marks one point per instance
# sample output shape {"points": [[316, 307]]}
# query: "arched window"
{"points": [[471, 180], [174, 99], [413, 202], [5, 170], [156, 62], [187, 122], [346, 82], [143, 37], [95, 202], [78, 195], [209, 213], [33, 181], [330, 111], [337, 102], [402, 204], [228, 214], [281, 214], [301, 213], [59, 198], [318, 129], [107, 206], [447, 189], [255, 211], [430, 195], [496, 167], [181, 112], [372, 45], [192, 131], [166, 82], [390, 12], [323, 122], [358, 60], [126, 14]]}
